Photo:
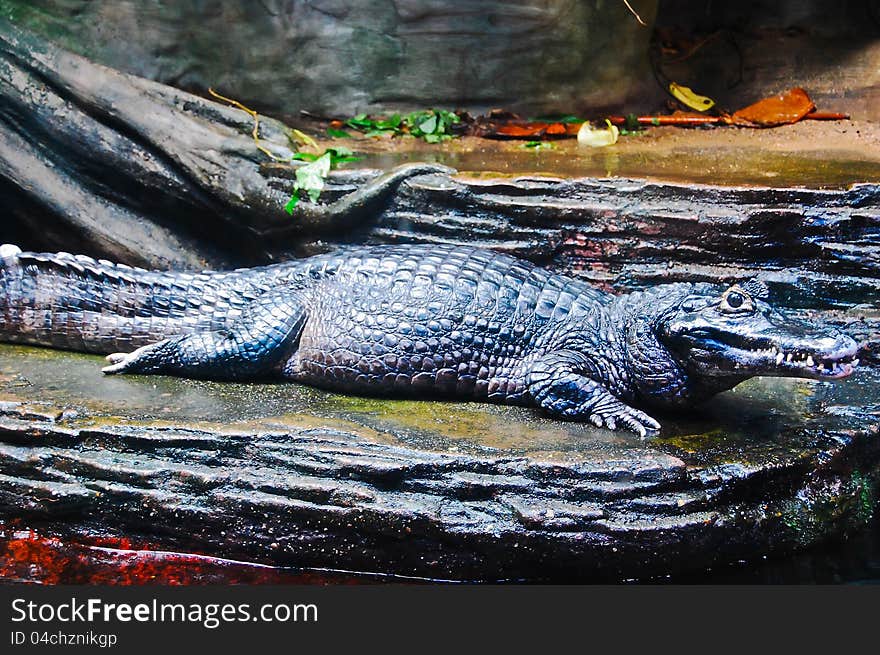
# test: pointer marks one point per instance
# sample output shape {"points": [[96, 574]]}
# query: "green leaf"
{"points": [[428, 126], [556, 118], [304, 156], [631, 123], [337, 134], [360, 122], [418, 124], [340, 151], [310, 178], [298, 136], [391, 124], [294, 199], [415, 117]]}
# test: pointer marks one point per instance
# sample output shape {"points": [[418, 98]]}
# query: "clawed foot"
{"points": [[129, 362], [567, 393], [615, 415], [618, 415], [630, 418]]}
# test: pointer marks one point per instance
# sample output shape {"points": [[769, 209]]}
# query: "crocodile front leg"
{"points": [[557, 386], [252, 347]]}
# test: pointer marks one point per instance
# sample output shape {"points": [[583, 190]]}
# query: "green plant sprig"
{"points": [[310, 178], [432, 125]]}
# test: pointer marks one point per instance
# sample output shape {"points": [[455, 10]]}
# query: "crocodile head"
{"points": [[686, 342], [722, 337]]}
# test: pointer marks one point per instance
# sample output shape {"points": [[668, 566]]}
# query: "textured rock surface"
{"points": [[107, 161], [293, 476], [756, 49], [96, 161], [342, 57]]}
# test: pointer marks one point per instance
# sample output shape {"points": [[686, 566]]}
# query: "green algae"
{"points": [[863, 488], [42, 21], [836, 503], [691, 443]]}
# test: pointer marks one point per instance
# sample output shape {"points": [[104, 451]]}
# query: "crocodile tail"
{"points": [[79, 303], [8, 251], [75, 302]]}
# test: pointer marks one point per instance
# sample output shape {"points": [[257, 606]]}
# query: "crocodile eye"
{"points": [[735, 300]]}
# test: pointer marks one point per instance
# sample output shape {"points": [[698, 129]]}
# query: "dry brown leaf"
{"points": [[783, 109]]}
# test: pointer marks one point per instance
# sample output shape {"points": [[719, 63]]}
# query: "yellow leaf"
{"points": [[303, 138], [597, 137], [686, 96]]}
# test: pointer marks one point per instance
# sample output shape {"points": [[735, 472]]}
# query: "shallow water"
{"points": [[711, 164]]}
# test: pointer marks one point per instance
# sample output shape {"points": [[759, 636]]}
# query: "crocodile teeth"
{"points": [[810, 361], [779, 358], [854, 363], [788, 357]]}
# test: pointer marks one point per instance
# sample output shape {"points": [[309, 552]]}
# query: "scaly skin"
{"points": [[419, 321]]}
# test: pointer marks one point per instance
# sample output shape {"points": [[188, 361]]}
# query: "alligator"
{"points": [[423, 321]]}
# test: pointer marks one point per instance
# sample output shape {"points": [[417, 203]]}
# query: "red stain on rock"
{"points": [[29, 556]]}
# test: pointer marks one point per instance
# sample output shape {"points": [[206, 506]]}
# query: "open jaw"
{"points": [[832, 363]]}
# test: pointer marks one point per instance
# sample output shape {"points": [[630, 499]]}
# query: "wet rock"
{"points": [[31, 411], [96, 161], [306, 478]]}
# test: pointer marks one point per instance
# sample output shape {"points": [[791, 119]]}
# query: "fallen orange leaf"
{"points": [[528, 130], [783, 109]]}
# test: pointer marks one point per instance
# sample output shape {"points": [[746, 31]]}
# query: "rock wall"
{"points": [[340, 58], [739, 52]]}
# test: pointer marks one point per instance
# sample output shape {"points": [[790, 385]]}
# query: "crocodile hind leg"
{"points": [[557, 387], [252, 347]]}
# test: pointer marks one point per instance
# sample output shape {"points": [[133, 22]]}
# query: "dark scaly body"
{"points": [[444, 320], [450, 321], [391, 320]]}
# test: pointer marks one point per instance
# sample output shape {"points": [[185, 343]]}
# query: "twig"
{"points": [[691, 121], [826, 116], [690, 53], [681, 121], [633, 12], [256, 131]]}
